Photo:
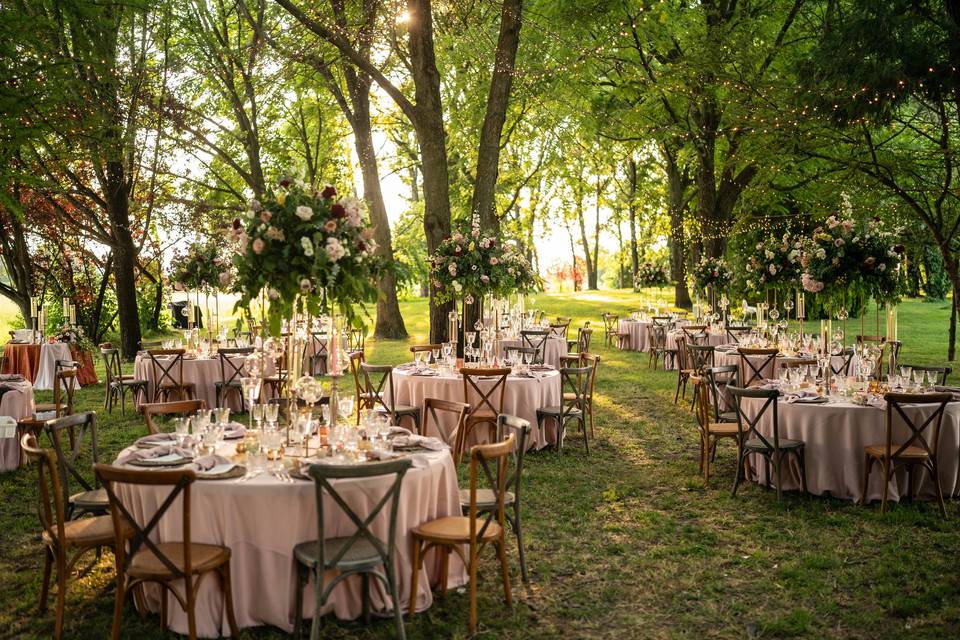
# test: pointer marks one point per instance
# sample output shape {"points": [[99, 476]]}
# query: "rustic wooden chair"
{"points": [[582, 343], [364, 399], [277, 383], [489, 405], [719, 379], [230, 374], [710, 432], [536, 339], [71, 460], [65, 541], [360, 554], [684, 370], [378, 384], [611, 333], [167, 366], [736, 332], [846, 358], [172, 565], [315, 353], [919, 449], [772, 448], [750, 373], [455, 438], [356, 338], [176, 408], [449, 534], [575, 385], [426, 348], [658, 346], [486, 498], [117, 384], [64, 390], [695, 334], [560, 329]]}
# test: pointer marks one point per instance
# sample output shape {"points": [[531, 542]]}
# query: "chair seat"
{"points": [[756, 444], [174, 385], [910, 453], [454, 529], [486, 499], [361, 554], [44, 407], [724, 429], [86, 532], [558, 411], [232, 384], [87, 500], [203, 557], [400, 408], [728, 416], [128, 381]]}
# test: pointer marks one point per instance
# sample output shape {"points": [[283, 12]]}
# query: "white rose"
{"points": [[307, 245], [304, 212]]}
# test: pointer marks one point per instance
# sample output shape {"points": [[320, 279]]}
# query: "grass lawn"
{"points": [[623, 543]]}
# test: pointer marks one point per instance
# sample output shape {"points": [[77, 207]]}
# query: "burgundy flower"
{"points": [[329, 193], [285, 183], [876, 218], [236, 224], [361, 245], [899, 248], [337, 210]]}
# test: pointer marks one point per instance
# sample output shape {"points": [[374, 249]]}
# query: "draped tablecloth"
{"points": [[553, 350], [204, 373], [21, 358], [50, 352], [638, 334], [261, 520], [714, 339], [37, 362], [521, 397], [16, 403], [836, 434]]}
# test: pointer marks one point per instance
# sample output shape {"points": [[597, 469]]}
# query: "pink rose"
{"points": [[265, 216], [493, 261], [330, 226], [258, 246]]}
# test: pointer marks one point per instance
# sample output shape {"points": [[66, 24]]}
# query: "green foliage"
{"points": [[937, 284], [203, 267]]}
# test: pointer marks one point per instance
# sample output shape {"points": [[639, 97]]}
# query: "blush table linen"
{"points": [[553, 350], [835, 435], [638, 334], [521, 397], [204, 373], [262, 519], [50, 352], [17, 403]]}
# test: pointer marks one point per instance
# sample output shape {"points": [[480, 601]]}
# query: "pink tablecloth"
{"points": [[522, 397], [639, 336], [262, 519], [732, 356], [552, 350], [17, 404], [714, 339], [835, 435], [204, 373]]}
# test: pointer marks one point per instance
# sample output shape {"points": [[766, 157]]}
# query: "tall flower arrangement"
{"points": [[202, 267], [776, 264], [711, 272], [303, 243], [470, 265], [651, 274]]}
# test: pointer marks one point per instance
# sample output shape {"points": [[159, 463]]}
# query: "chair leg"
{"points": [[473, 589], [395, 598], [228, 600], [118, 605], [444, 570], [586, 440], [365, 596], [868, 463], [504, 571], [886, 485], [61, 597], [736, 480], [518, 531], [415, 576], [802, 454], [935, 472], [705, 460], [298, 601], [779, 462], [47, 568]]}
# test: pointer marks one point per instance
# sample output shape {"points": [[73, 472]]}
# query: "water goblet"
{"points": [[181, 428], [418, 359], [436, 355], [223, 415], [471, 336], [346, 407], [271, 412], [257, 411], [906, 373]]}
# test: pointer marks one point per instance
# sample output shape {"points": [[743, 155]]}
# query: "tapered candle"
{"points": [[73, 314], [34, 300], [66, 308]]}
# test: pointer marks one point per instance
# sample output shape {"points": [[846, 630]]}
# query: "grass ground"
{"points": [[625, 542]]}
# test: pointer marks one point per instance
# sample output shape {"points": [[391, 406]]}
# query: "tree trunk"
{"points": [[632, 209], [498, 99], [953, 270], [124, 260], [585, 240], [677, 244]]}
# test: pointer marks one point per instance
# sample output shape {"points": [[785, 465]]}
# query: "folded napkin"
{"points": [[425, 372], [802, 394], [8, 427], [157, 438], [207, 463], [153, 452], [11, 377], [405, 366], [877, 402], [424, 442], [234, 431], [398, 431]]}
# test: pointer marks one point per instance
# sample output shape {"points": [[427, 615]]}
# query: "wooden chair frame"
{"points": [[684, 370], [430, 408], [490, 405], [574, 387], [176, 408], [847, 359], [711, 432], [610, 328], [756, 373], [76, 426], [718, 389], [230, 372], [162, 372], [117, 383], [536, 339], [385, 384]]}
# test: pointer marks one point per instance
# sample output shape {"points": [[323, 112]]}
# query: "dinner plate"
{"points": [[234, 471], [169, 460], [817, 400]]}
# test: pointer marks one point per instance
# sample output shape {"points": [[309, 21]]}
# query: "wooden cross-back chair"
{"points": [[449, 534], [458, 410], [695, 333], [658, 345], [773, 449], [582, 343], [842, 368], [711, 431], [750, 373], [719, 379], [684, 370], [360, 554], [60, 535], [943, 373], [611, 333], [918, 449], [167, 366], [170, 564], [536, 339], [356, 338], [176, 408], [488, 404], [665, 321], [736, 332], [315, 352], [277, 383], [117, 384], [79, 428], [64, 390], [378, 384], [364, 399], [574, 387], [230, 374]]}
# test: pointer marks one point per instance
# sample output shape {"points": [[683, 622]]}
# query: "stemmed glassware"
{"points": [[256, 410], [436, 355], [418, 358], [181, 429]]}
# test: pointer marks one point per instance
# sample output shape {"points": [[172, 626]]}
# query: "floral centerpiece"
{"points": [[711, 273], [473, 266], [651, 274], [860, 256], [301, 243], [776, 264], [203, 267], [73, 335]]}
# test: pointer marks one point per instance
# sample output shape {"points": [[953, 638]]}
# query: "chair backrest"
{"points": [[575, 381], [378, 382], [229, 370], [610, 321], [482, 457], [111, 363], [68, 454], [658, 336], [356, 359], [666, 321], [591, 360], [167, 365], [520, 429], [702, 401], [356, 338], [750, 372], [735, 332], [429, 415], [918, 435], [942, 372], [178, 408], [692, 331], [747, 426], [793, 363], [683, 360], [720, 379], [51, 502], [138, 536], [147, 345], [537, 339], [65, 381], [584, 334], [559, 330], [315, 351], [701, 356], [491, 400], [843, 367], [324, 477], [424, 347]]}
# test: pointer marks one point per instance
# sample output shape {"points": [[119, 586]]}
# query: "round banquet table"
{"points": [[714, 339], [16, 403], [836, 434], [521, 397], [204, 373], [262, 519], [553, 350], [36, 362], [724, 357], [638, 332]]}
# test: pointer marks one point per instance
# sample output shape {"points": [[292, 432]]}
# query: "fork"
{"points": [[282, 475]]}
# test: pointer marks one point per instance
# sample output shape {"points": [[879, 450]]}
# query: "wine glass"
{"points": [[418, 358], [436, 355], [447, 350], [346, 407], [223, 415], [256, 411], [271, 412], [181, 428]]}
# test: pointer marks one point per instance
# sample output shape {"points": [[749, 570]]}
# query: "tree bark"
{"points": [[124, 259], [678, 182], [632, 209], [16, 261], [498, 99]]}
